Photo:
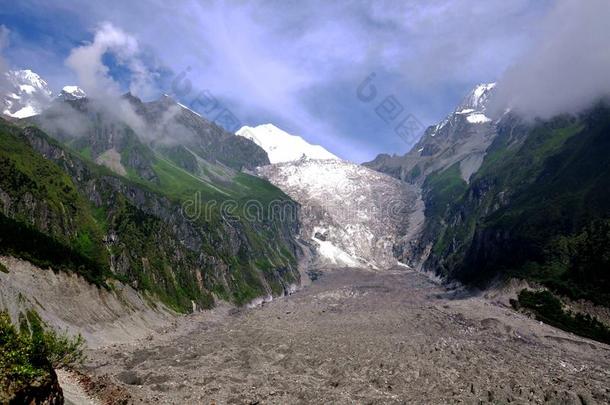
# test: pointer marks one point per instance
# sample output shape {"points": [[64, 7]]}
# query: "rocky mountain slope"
{"points": [[460, 141], [146, 220], [354, 216], [514, 198], [136, 130], [537, 208], [357, 336], [462, 137], [282, 146]]}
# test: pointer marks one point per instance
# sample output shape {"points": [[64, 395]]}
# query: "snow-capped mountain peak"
{"points": [[476, 100], [473, 106], [27, 94], [282, 146], [72, 93], [28, 78]]}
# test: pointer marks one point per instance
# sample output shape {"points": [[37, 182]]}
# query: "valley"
{"points": [[205, 203], [359, 336]]}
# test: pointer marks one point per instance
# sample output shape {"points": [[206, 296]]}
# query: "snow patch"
{"points": [[282, 146], [476, 100], [335, 255], [25, 112], [186, 108], [72, 93], [406, 266]]}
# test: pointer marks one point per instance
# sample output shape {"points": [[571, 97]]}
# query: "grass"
{"points": [[180, 184], [60, 349], [27, 242], [443, 188], [86, 153]]}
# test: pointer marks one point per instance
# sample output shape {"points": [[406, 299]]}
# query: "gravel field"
{"points": [[355, 336]]}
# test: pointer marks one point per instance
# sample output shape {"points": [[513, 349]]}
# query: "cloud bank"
{"points": [[299, 63], [568, 67]]}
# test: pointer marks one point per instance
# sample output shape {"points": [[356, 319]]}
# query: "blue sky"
{"points": [[297, 64]]}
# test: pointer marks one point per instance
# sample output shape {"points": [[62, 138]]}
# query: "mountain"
{"points": [[282, 146], [71, 93], [352, 215], [462, 137], [515, 198], [27, 94], [129, 135], [150, 194], [181, 131], [538, 208]]}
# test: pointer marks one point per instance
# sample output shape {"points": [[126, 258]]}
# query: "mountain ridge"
{"points": [[135, 202], [462, 136]]}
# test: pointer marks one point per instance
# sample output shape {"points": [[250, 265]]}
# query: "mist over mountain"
{"points": [[566, 69]]}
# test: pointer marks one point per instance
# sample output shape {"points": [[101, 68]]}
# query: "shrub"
{"points": [[18, 361], [60, 349], [28, 353], [549, 309]]}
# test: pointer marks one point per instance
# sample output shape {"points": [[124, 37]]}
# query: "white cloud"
{"points": [[568, 67], [261, 57], [93, 74]]}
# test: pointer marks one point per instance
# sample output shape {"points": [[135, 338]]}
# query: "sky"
{"points": [[309, 66]]}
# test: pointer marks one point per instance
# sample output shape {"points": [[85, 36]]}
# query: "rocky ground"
{"points": [[357, 336]]}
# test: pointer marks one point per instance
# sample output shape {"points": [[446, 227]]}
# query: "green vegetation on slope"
{"points": [[538, 208], [28, 356], [443, 188], [42, 196], [548, 309], [55, 221], [26, 242]]}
